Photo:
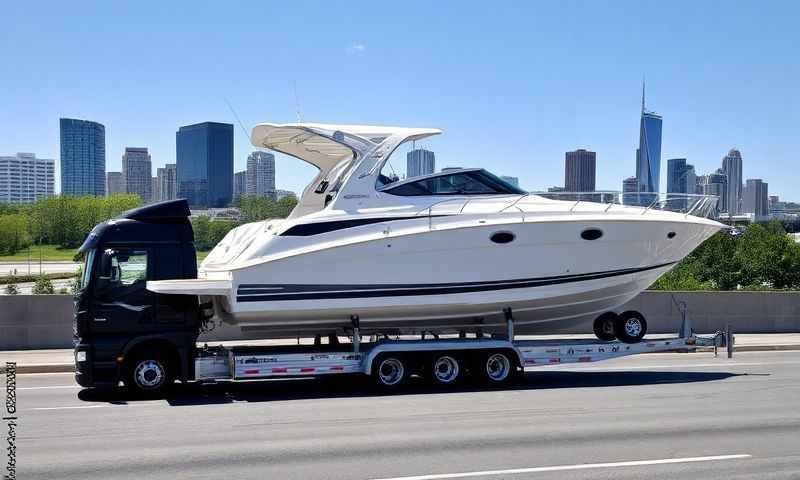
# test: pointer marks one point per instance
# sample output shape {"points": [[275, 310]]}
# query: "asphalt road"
{"points": [[671, 416], [22, 268]]}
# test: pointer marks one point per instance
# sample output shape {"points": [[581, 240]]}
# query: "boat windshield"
{"points": [[461, 182]]}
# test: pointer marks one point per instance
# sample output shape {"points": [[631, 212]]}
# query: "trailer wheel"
{"points": [[496, 368], [446, 369], [631, 327], [149, 374], [390, 371], [605, 326]]}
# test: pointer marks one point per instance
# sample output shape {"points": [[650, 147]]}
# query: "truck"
{"points": [[125, 333]]}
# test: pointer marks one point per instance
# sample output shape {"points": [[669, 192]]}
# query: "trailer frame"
{"points": [[254, 363]]}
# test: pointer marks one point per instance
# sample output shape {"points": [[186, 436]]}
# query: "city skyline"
{"points": [[536, 117]]}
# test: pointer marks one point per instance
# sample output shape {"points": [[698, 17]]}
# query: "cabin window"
{"points": [[463, 182]]}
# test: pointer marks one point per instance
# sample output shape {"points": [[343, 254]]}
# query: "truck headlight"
{"points": [[80, 356]]}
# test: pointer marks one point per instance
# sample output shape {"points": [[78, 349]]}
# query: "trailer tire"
{"points": [[631, 327], [605, 326], [390, 371], [446, 368], [496, 367], [149, 374]]}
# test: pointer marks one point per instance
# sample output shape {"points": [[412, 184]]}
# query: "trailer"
{"points": [[445, 361]]}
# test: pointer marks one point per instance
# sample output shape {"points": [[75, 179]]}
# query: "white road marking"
{"points": [[70, 408], [558, 468], [47, 373], [720, 364], [49, 387]]}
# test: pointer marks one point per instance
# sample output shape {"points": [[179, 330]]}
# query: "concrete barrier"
{"points": [[45, 321]]}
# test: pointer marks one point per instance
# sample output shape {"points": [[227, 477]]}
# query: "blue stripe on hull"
{"points": [[267, 293]]}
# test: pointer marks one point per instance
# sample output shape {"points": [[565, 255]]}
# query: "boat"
{"points": [[448, 252]]}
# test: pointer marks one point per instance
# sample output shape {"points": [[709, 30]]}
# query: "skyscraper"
{"points": [[648, 155], [167, 177], [732, 168], [756, 198], [676, 176], [420, 162], [630, 189], [205, 164], [83, 157], [579, 171], [155, 190], [681, 178], [715, 184], [260, 174], [137, 173], [114, 183], [239, 184], [25, 178]]}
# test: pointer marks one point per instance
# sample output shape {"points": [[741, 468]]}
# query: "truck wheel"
{"points": [[149, 374], [605, 326], [446, 369], [496, 368], [390, 371], [630, 327]]}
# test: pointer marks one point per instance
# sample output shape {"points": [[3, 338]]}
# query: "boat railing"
{"points": [[608, 202]]}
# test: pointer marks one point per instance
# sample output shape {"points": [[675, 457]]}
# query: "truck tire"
{"points": [[390, 371], [446, 369], [149, 374], [605, 326], [630, 327], [496, 367]]}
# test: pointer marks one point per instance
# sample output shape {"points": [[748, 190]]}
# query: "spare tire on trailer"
{"points": [[605, 326], [630, 327]]}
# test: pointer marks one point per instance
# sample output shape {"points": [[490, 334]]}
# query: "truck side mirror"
{"points": [[105, 271]]}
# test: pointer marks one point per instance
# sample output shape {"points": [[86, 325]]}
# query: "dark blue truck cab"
{"points": [[122, 331]]}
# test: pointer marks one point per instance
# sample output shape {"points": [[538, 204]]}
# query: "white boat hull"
{"points": [[453, 278]]}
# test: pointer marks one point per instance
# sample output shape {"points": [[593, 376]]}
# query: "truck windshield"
{"points": [[87, 269]]}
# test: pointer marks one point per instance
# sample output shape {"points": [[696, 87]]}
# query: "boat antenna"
{"points": [[238, 120], [297, 103]]}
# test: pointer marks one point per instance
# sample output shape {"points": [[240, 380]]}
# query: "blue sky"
{"points": [[513, 84]]}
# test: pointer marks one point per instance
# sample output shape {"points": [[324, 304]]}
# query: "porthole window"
{"points": [[671, 235], [591, 234], [502, 237]]}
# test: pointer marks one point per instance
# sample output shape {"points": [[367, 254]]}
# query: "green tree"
{"points": [[217, 231], [202, 227], [14, 234], [43, 286], [255, 208]]}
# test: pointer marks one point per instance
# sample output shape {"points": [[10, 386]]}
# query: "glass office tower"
{"points": [[648, 155], [205, 164], [83, 157]]}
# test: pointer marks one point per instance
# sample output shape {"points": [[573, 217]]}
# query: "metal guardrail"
{"points": [[686, 203]]}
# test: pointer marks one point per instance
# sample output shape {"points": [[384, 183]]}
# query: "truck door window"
{"points": [[128, 267]]}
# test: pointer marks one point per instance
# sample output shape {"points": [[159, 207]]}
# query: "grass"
{"points": [[54, 253], [49, 253]]}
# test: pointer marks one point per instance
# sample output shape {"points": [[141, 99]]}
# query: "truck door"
{"points": [[122, 301]]}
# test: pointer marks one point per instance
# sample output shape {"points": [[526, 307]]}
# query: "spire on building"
{"points": [[642, 94]]}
